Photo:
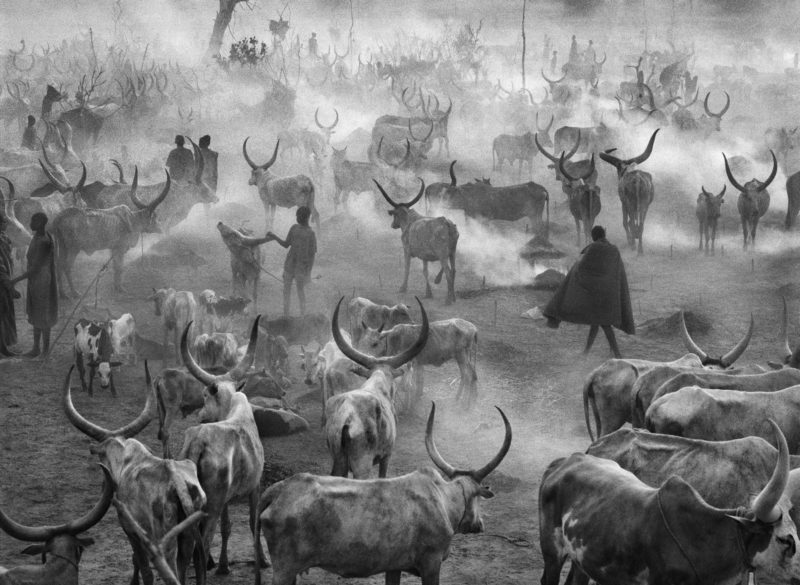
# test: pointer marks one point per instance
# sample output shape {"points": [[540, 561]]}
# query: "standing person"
{"points": [[302, 244], [590, 55], [29, 135], [210, 158], [595, 292], [8, 325], [312, 45], [42, 297], [180, 161], [573, 51]]}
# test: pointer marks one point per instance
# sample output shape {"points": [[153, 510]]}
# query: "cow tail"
{"points": [[345, 452], [161, 408], [547, 214], [494, 164], [589, 400]]}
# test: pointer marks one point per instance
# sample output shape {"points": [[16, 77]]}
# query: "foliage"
{"points": [[248, 52]]}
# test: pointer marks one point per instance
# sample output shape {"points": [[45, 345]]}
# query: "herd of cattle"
{"points": [[672, 504]]}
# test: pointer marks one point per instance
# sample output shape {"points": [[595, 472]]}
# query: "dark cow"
{"points": [[635, 192], [753, 200], [347, 526], [725, 473], [513, 148], [574, 168], [615, 528], [709, 209], [793, 194], [350, 176], [584, 199], [591, 139], [93, 338]]}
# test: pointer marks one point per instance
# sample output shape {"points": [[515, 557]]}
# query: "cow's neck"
{"points": [[411, 217]]}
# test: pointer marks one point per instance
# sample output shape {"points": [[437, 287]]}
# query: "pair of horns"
{"points": [[157, 201], [612, 160], [267, 164], [763, 185], [236, 374], [569, 177], [566, 156], [726, 360], [415, 199]]}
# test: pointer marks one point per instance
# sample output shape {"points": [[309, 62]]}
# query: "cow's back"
{"points": [[430, 238]]}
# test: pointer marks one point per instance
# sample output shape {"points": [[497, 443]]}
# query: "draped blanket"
{"points": [[595, 291]]}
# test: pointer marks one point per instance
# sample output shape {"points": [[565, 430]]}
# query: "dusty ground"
{"points": [[535, 374]]}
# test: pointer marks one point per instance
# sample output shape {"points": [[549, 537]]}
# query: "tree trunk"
{"points": [[221, 23]]}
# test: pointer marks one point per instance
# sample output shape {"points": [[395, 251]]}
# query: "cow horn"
{"points": [[687, 339], [199, 161], [721, 112], [267, 164], [191, 365], [371, 362], [480, 474], [332, 126], [419, 195], [425, 138], [542, 149], [118, 166], [563, 171], [163, 194], [53, 181], [787, 349], [647, 151], [550, 80], [75, 527], [765, 505], [241, 369], [134, 186], [574, 149], [46, 157], [730, 174], [734, 354], [11, 192], [704, 192], [772, 174], [385, 194], [448, 470], [721, 193], [453, 174], [546, 129], [79, 187]]}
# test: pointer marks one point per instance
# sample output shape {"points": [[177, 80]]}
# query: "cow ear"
{"points": [[34, 549], [751, 525], [213, 389], [241, 386], [86, 541], [485, 492], [775, 365]]}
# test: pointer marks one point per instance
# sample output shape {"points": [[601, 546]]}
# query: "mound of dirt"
{"points": [[550, 279], [696, 324], [539, 248]]}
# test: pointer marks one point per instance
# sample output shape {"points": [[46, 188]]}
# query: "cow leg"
{"points": [[225, 532], [79, 364], [404, 286], [383, 466], [393, 577], [429, 572], [419, 383], [700, 247], [578, 231], [428, 292], [116, 261], [753, 235], [744, 232], [141, 563], [713, 237], [92, 371], [259, 557]]}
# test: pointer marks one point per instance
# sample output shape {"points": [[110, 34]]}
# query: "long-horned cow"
{"points": [[709, 209], [583, 197], [226, 448], [635, 192], [116, 229], [60, 546], [431, 239], [346, 527], [159, 493], [573, 167], [361, 424], [753, 200], [612, 526], [277, 191]]}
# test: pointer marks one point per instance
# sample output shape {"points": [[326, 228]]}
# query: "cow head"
{"points": [[469, 480], [147, 211], [622, 166], [16, 232], [219, 390], [159, 297], [751, 190], [724, 362], [61, 541], [259, 173], [715, 118], [400, 211], [554, 160], [713, 203], [313, 364], [64, 186], [326, 130]]}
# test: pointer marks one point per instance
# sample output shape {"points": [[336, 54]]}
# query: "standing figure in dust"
{"points": [[302, 244], [180, 161], [29, 137], [42, 297], [595, 293], [245, 260]]}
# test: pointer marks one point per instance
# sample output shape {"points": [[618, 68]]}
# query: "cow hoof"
{"points": [[223, 570]]}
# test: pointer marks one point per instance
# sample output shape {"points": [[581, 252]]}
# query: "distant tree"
{"points": [[221, 22]]}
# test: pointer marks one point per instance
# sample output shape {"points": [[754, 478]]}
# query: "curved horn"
{"points": [[453, 174], [385, 195], [721, 112], [771, 175], [765, 505], [75, 527], [118, 166], [550, 80], [134, 186], [241, 369], [563, 171], [480, 474], [348, 350], [253, 165], [543, 150], [730, 175], [690, 104], [448, 470], [596, 62], [738, 350], [53, 181], [200, 162], [79, 187], [332, 126], [547, 128], [687, 339], [647, 151], [721, 193], [191, 365], [787, 349], [11, 192], [704, 192], [44, 152], [163, 194], [574, 149]]}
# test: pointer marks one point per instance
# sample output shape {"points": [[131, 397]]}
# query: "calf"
{"points": [[216, 311], [348, 526], [217, 349], [61, 542], [93, 338], [361, 424], [451, 339], [615, 528], [365, 314], [176, 309], [123, 336], [709, 209]]}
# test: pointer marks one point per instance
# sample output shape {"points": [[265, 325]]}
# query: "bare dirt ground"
{"points": [[534, 374]]}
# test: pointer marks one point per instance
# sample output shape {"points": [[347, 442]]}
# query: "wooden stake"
{"points": [[651, 282], [670, 250], [380, 282], [752, 264], [495, 312], [483, 284]]}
